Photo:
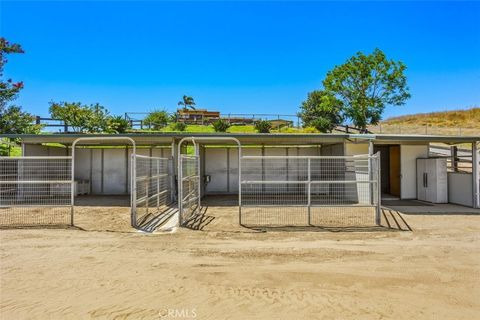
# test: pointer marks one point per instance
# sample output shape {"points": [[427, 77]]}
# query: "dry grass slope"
{"points": [[469, 118]]}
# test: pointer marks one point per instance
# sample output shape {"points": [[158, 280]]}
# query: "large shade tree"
{"points": [[321, 110], [366, 84]]}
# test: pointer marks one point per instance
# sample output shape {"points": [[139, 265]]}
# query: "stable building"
{"points": [[274, 179]]}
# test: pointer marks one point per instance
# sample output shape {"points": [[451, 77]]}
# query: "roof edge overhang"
{"points": [[245, 138]]}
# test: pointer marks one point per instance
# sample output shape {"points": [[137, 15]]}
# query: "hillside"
{"points": [[469, 118]]}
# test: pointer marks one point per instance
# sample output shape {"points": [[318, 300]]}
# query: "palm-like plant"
{"points": [[187, 102]]}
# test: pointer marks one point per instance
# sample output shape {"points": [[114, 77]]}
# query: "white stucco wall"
{"points": [[460, 188], [352, 149], [337, 149], [408, 169]]}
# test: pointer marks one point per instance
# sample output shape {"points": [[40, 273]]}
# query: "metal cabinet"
{"points": [[432, 180]]}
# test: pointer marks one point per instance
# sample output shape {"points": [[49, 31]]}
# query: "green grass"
{"points": [[242, 129]]}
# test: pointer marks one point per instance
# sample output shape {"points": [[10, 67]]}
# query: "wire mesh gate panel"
{"points": [[310, 191], [154, 191], [189, 191], [36, 191]]}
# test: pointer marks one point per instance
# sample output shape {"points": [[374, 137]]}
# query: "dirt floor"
{"points": [[106, 270]]}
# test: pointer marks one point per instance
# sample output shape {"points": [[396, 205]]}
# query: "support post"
{"points": [[72, 187], [158, 184], [309, 189], [454, 160], [240, 185], [379, 190], [133, 189], [180, 195], [197, 154], [370, 170], [476, 175]]}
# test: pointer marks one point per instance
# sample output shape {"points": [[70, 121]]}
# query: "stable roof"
{"points": [[245, 138]]}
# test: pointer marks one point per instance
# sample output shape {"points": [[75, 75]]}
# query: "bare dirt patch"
{"points": [[224, 271]]}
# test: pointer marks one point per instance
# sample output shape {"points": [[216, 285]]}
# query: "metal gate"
{"points": [[310, 191], [36, 191], [189, 187], [153, 193]]}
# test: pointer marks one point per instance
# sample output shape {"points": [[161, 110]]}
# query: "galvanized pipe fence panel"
{"points": [[310, 191], [189, 191], [154, 191], [36, 191]]}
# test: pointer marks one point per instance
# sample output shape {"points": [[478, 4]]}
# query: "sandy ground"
{"points": [[223, 271]]}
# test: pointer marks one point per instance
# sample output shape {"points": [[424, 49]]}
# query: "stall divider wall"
{"points": [[107, 169], [221, 164]]}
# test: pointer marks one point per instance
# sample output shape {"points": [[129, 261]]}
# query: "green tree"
{"points": [[15, 121], [8, 88], [157, 119], [221, 125], [117, 124], [263, 126], [187, 102], [321, 110], [81, 118], [366, 84], [12, 119]]}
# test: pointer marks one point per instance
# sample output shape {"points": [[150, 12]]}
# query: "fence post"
{"points": [[454, 154], [197, 149], [240, 185], [158, 184], [180, 185], [133, 189], [379, 191], [370, 171], [309, 200], [72, 185], [475, 175]]}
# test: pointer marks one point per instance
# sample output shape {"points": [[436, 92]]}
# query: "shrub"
{"points": [[117, 124], [157, 119], [322, 124], [263, 126], [310, 130], [221, 125], [179, 126]]}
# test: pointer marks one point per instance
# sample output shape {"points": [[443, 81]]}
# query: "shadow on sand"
{"points": [[154, 220], [200, 220]]}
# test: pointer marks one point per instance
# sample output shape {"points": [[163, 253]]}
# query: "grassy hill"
{"points": [[469, 118]]}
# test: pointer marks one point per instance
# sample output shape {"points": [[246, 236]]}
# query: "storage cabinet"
{"points": [[432, 180]]}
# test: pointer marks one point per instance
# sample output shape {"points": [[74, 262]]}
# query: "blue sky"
{"points": [[248, 57]]}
